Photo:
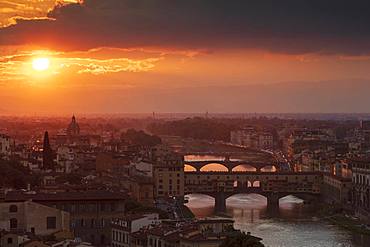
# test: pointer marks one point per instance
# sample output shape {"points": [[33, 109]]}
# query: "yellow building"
{"points": [[168, 174]]}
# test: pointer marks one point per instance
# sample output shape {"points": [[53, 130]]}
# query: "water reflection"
{"points": [[295, 224]]}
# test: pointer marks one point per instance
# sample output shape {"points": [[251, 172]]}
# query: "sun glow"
{"points": [[40, 64]]}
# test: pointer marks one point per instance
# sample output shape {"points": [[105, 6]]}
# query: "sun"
{"points": [[40, 64]]}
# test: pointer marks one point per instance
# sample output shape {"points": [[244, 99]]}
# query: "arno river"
{"points": [[294, 226]]}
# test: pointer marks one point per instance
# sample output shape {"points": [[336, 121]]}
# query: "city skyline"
{"points": [[175, 56]]}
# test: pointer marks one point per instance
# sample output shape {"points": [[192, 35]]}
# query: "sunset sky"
{"points": [[118, 56]]}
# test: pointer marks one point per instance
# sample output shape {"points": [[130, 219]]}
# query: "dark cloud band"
{"points": [[287, 26]]}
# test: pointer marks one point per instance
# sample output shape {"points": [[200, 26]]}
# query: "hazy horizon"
{"points": [[289, 97]]}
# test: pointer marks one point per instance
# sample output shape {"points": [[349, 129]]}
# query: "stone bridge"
{"points": [[272, 185], [231, 164]]}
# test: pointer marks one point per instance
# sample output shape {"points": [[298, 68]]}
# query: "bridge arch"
{"points": [[189, 168], [244, 168], [297, 198], [238, 184], [212, 167], [195, 196], [290, 198], [248, 204], [256, 184], [269, 168], [201, 204], [262, 198]]}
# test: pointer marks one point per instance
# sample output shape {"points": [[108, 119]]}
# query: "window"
{"points": [[10, 241], [51, 222], [13, 223], [13, 209]]}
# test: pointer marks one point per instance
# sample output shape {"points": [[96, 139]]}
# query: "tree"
{"points": [[140, 138], [240, 239], [14, 175], [47, 153], [197, 128]]}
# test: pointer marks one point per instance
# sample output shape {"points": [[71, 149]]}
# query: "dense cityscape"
{"points": [[127, 181], [184, 123]]}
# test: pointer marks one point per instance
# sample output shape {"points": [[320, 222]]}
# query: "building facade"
{"points": [[122, 229], [91, 212], [361, 185], [168, 175], [250, 137], [33, 217], [336, 189], [5, 145]]}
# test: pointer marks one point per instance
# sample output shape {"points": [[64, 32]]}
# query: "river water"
{"points": [[295, 225]]}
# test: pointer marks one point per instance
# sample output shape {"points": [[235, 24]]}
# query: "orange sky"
{"points": [[151, 77]]}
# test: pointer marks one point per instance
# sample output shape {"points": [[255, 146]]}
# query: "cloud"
{"points": [[104, 66], [10, 10], [290, 26], [18, 67]]}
